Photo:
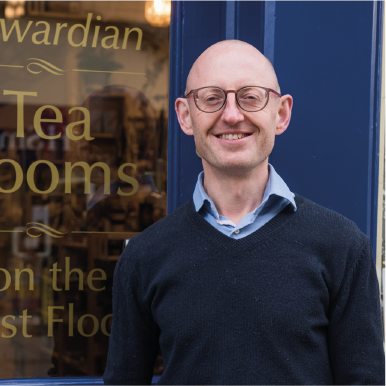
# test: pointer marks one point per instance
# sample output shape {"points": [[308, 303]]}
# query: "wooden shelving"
{"points": [[104, 135]]}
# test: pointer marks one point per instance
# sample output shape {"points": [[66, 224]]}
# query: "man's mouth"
{"points": [[233, 136]]}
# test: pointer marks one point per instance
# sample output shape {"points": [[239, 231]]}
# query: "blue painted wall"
{"points": [[323, 58]]}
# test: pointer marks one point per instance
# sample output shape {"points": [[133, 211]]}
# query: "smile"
{"points": [[232, 136]]}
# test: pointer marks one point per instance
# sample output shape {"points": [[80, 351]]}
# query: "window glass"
{"points": [[83, 147]]}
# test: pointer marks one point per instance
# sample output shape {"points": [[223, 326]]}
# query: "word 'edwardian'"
{"points": [[42, 36], [68, 165]]}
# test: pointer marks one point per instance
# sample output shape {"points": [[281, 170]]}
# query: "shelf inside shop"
{"points": [[103, 135], [6, 177], [68, 360], [75, 244], [54, 161]]}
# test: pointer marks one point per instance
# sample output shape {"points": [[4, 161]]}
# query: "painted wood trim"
{"points": [[269, 30], [61, 381], [381, 231], [174, 132]]}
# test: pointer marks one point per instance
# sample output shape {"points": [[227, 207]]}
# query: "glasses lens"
{"points": [[252, 98], [210, 99]]}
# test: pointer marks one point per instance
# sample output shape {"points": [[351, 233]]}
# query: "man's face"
{"points": [[231, 69]]}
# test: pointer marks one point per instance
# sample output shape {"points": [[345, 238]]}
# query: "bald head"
{"points": [[231, 57]]}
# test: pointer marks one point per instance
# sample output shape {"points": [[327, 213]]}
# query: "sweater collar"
{"points": [[258, 238]]}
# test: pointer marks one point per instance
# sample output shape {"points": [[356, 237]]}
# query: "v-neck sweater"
{"points": [[295, 302]]}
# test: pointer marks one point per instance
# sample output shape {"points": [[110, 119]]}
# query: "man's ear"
{"points": [[183, 115], [284, 110]]}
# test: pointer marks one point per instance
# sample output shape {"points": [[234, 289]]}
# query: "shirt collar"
{"points": [[275, 186]]}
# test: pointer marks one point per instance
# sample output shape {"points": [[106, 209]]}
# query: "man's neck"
{"points": [[236, 195]]}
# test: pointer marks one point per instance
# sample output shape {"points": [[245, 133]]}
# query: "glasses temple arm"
{"points": [[275, 92]]}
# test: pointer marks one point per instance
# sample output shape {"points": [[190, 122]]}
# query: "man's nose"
{"points": [[232, 113]]}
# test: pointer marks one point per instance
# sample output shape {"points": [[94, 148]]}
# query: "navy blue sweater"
{"points": [[295, 302]]}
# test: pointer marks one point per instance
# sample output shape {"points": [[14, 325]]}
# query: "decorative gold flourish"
{"points": [[57, 71], [45, 65], [9, 65], [44, 228]]}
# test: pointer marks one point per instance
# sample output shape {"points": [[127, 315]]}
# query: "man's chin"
{"points": [[230, 168]]}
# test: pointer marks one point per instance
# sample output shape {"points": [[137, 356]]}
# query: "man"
{"points": [[247, 283]]}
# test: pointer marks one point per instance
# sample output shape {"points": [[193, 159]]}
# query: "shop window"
{"points": [[83, 168]]}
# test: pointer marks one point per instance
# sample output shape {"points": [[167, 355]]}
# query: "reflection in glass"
{"points": [[88, 172], [158, 12]]}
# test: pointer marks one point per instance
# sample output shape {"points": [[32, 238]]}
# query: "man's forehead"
{"points": [[231, 62]]}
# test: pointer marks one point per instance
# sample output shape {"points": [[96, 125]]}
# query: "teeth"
{"points": [[233, 136]]}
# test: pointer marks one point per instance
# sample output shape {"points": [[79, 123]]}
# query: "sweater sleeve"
{"points": [[355, 329], [133, 343]]}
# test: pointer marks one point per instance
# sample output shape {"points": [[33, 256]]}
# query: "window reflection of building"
{"points": [[129, 126], [126, 130]]}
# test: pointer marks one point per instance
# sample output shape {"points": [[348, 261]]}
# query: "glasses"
{"points": [[249, 98]]}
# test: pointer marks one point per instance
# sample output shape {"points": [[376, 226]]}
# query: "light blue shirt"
{"points": [[276, 197]]}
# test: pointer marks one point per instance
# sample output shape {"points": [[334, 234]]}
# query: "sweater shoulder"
{"points": [[329, 226]]}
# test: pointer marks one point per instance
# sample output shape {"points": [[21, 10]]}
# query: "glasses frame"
{"points": [[194, 93]]}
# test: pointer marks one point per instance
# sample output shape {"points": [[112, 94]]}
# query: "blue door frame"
{"points": [[327, 55]]}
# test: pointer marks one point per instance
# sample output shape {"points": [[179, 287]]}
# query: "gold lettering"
{"points": [[51, 319], [128, 31], [115, 37], [55, 271], [10, 326], [103, 324], [38, 119], [7, 279], [68, 274], [90, 279], [87, 176], [96, 33], [80, 325], [19, 176], [15, 25], [25, 317], [85, 121], [59, 26], [86, 29], [54, 180], [46, 33], [127, 178], [20, 111], [17, 278]]}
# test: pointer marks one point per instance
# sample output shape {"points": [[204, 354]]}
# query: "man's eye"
{"points": [[251, 97], [212, 98]]}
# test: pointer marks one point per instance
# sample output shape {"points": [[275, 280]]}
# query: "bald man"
{"points": [[247, 283]]}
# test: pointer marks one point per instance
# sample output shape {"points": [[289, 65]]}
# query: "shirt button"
{"points": [[237, 231]]}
